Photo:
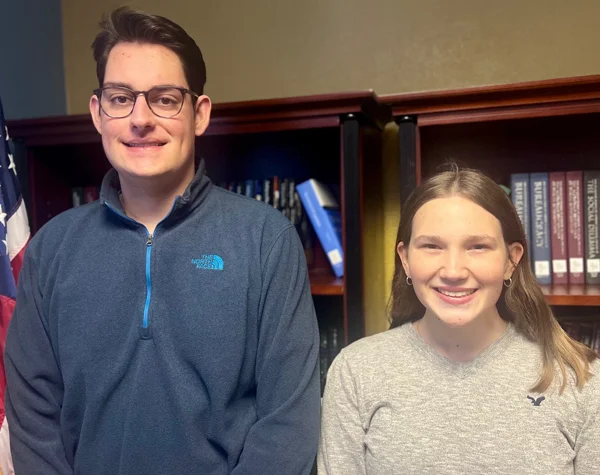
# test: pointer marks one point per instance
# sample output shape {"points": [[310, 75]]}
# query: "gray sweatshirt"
{"points": [[393, 405]]}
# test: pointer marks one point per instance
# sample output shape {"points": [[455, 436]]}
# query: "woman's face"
{"points": [[457, 260]]}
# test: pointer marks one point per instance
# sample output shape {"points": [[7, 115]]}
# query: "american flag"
{"points": [[14, 236]]}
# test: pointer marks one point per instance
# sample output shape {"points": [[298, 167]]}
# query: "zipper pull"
{"points": [[149, 241]]}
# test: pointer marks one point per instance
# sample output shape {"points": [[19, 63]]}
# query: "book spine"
{"points": [[77, 196], [558, 228], [591, 182], [520, 197], [91, 194], [326, 225], [575, 233], [540, 227]]}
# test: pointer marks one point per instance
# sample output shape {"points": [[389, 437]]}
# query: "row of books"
{"points": [[309, 206], [279, 192], [586, 332], [560, 212], [84, 194]]}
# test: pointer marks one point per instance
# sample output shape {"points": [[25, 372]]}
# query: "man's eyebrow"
{"points": [[129, 86], [117, 84]]}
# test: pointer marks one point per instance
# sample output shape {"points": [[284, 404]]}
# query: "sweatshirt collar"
{"points": [[193, 196]]}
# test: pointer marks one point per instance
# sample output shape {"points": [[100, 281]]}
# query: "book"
{"points": [[540, 227], [575, 234], [519, 185], [558, 228], [324, 214], [591, 211]]}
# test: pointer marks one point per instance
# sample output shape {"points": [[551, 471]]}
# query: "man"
{"points": [[167, 328]]}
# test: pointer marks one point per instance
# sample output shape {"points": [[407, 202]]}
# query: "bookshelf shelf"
{"points": [[572, 295], [325, 283]]}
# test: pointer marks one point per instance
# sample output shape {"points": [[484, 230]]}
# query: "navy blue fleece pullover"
{"points": [[192, 351]]}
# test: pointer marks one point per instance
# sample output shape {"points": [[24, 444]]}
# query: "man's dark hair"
{"points": [[125, 25]]}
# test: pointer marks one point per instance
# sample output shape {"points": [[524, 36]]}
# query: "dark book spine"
{"points": [[77, 196], [591, 182], [258, 190], [249, 188], [267, 192], [276, 192], [520, 198], [540, 227], [283, 197], [575, 233], [558, 228], [91, 194]]}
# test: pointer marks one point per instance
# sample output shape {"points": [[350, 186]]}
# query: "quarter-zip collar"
{"points": [[193, 196]]}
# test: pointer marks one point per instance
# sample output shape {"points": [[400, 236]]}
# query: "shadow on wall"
{"points": [[31, 64]]}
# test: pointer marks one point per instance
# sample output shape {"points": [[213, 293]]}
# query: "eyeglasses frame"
{"points": [[98, 93]]}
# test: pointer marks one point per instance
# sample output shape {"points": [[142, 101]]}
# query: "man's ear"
{"points": [[95, 112], [202, 114], [515, 252], [403, 253]]}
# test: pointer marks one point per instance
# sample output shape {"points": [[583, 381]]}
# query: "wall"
{"points": [[274, 48], [31, 65]]}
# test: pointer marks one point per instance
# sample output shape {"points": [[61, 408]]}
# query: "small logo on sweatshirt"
{"points": [[538, 401], [209, 261]]}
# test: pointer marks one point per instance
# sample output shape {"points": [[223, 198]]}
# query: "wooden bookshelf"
{"points": [[325, 283], [514, 128], [572, 295], [335, 138]]}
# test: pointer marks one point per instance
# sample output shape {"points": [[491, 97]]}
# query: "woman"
{"points": [[475, 375]]}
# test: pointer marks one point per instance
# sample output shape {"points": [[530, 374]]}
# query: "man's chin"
{"points": [[139, 173]]}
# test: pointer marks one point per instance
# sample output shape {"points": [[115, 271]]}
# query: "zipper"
{"points": [[145, 332], [148, 286]]}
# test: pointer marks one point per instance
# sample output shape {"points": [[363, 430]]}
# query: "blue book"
{"points": [[324, 213], [540, 228]]}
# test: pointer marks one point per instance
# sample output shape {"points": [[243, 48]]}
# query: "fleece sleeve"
{"points": [[342, 450], [34, 385], [285, 437]]}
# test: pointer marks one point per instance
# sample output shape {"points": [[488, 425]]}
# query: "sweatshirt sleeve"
{"points": [[285, 437], [34, 384], [341, 450], [587, 446]]}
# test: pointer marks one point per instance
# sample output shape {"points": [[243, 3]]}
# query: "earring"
{"points": [[408, 280], [508, 282]]}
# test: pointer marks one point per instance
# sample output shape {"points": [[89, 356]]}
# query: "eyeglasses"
{"points": [[118, 102]]}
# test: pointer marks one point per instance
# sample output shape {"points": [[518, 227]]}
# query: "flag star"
{"points": [[2, 217], [5, 246], [12, 164], [6, 133]]}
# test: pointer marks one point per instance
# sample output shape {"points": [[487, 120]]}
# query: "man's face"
{"points": [[143, 145]]}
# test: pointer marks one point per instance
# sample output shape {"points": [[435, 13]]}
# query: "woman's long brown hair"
{"points": [[522, 304]]}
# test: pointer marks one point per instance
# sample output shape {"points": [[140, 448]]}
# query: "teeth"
{"points": [[456, 294], [143, 144]]}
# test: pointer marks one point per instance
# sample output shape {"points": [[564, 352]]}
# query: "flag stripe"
{"points": [[17, 231]]}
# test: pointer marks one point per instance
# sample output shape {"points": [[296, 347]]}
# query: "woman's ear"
{"points": [[403, 254], [515, 252]]}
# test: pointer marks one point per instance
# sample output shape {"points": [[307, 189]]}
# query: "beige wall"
{"points": [[272, 48]]}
